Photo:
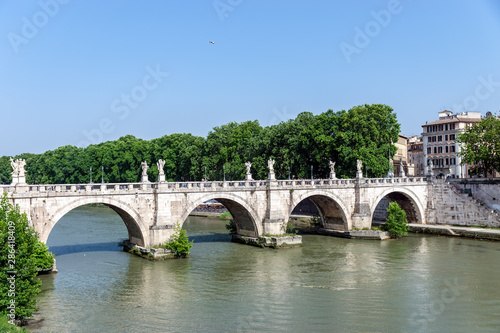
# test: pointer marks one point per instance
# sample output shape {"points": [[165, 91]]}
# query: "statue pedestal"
{"points": [[21, 180], [161, 178], [272, 176], [332, 175], [15, 180], [359, 175], [248, 177], [145, 179]]}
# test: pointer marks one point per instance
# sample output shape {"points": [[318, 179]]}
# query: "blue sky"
{"points": [[78, 72]]}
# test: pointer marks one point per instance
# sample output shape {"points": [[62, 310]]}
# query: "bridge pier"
{"points": [[361, 217], [276, 217]]}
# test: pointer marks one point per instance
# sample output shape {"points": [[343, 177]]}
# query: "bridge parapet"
{"points": [[397, 180], [202, 186]]}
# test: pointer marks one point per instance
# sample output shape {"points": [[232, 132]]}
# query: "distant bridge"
{"points": [[151, 209]]}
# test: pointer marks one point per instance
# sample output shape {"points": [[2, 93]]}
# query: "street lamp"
{"points": [[289, 173], [224, 169], [90, 175], [312, 172], [205, 173], [102, 174]]}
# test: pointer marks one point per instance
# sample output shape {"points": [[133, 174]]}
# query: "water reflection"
{"points": [[329, 284]]}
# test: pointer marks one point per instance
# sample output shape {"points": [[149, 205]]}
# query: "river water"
{"points": [[417, 284]]}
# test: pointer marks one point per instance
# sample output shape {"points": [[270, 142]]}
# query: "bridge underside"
{"points": [[245, 224], [330, 212], [134, 232], [406, 204]]}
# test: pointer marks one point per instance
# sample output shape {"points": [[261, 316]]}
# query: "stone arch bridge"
{"points": [[150, 210]]}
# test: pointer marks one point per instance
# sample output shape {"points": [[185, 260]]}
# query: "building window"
{"points": [[440, 138], [446, 137], [440, 127], [452, 126], [446, 149], [429, 150], [429, 129], [452, 161], [452, 148], [452, 137], [435, 150], [440, 150], [447, 161], [446, 127], [434, 128]]}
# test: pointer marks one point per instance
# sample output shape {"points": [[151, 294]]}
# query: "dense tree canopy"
{"points": [[481, 146], [298, 146]]}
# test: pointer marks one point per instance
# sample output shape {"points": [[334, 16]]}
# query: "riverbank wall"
{"points": [[456, 231], [457, 202]]}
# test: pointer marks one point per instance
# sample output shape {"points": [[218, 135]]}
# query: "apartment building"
{"points": [[400, 160], [440, 147], [416, 158]]}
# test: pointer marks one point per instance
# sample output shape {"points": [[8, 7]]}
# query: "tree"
{"points": [[179, 242], [480, 146], [298, 146], [20, 253], [396, 223], [366, 132]]}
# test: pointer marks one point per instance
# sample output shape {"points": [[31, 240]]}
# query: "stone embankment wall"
{"points": [[451, 203], [484, 190]]}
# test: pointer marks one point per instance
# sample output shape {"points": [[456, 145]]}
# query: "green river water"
{"points": [[417, 284]]}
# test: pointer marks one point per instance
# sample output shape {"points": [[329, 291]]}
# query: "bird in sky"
{"points": [[211, 42]]}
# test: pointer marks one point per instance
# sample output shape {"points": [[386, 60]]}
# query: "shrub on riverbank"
{"points": [[21, 257], [225, 216], [5, 327], [396, 223]]}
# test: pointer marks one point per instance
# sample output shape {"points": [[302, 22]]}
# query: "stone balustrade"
{"points": [[202, 186]]}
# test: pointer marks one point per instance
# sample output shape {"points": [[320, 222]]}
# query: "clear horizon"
{"points": [[77, 73]]}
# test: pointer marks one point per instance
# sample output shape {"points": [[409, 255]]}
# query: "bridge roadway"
{"points": [[151, 209]]}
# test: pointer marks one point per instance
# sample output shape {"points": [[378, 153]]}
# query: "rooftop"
{"points": [[446, 117]]}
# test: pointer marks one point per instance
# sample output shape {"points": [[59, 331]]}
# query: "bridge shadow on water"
{"points": [[80, 248], [211, 238], [114, 246]]}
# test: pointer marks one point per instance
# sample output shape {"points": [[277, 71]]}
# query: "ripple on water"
{"points": [[328, 284]]}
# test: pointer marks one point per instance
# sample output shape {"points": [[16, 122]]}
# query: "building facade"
{"points": [[416, 158], [400, 160], [441, 151]]}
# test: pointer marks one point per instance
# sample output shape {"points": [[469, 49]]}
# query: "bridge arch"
{"points": [[138, 234], [406, 199], [244, 216], [333, 212]]}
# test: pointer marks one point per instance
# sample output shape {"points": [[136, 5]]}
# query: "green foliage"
{"points": [[44, 260], [316, 221], [365, 132], [225, 216], [231, 227], [290, 229], [20, 253], [396, 223], [481, 146], [179, 242], [6, 327]]}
